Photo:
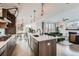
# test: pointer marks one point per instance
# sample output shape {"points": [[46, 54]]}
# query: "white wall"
{"points": [[71, 14]]}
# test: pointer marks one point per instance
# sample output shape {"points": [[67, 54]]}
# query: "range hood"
{"points": [[7, 21], [3, 23]]}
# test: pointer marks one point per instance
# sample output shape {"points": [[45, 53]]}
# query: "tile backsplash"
{"points": [[2, 31]]}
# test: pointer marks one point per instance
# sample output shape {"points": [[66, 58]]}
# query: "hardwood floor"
{"points": [[22, 48], [67, 50]]}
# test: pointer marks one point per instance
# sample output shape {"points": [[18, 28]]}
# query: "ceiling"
{"points": [[50, 9]]}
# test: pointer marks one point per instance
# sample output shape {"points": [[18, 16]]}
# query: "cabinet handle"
{"points": [[48, 44]]}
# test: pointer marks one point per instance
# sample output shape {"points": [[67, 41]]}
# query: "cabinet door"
{"points": [[32, 43], [36, 47], [28, 41], [47, 48], [3, 51], [10, 47]]}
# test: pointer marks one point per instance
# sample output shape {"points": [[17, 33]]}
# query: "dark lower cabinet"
{"points": [[43, 48], [8, 48], [47, 48], [3, 51]]}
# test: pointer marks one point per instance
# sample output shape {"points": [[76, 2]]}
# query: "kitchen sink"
{"points": [[36, 35]]}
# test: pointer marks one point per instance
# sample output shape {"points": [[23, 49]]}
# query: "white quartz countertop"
{"points": [[2, 43], [45, 37]]}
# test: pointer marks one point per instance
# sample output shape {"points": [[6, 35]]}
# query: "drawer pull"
{"points": [[48, 44]]}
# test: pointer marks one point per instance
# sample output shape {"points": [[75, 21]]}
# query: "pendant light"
{"points": [[42, 9], [34, 15]]}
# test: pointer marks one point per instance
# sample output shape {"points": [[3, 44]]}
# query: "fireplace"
{"points": [[74, 37]]}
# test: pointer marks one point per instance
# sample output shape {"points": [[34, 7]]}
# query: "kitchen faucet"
{"points": [[39, 31]]}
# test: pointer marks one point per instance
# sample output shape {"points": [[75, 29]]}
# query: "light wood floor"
{"points": [[22, 48]]}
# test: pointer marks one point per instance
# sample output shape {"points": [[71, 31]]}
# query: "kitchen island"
{"points": [[7, 46], [43, 45]]}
